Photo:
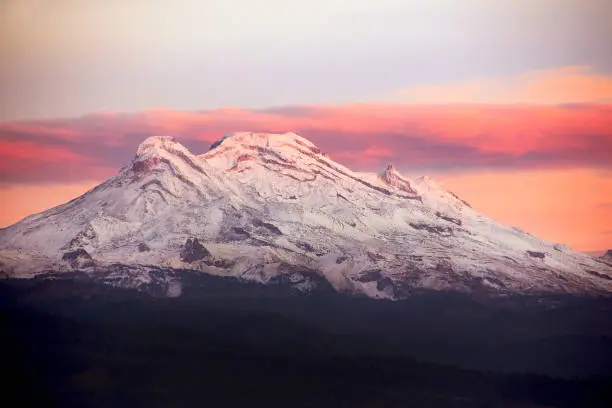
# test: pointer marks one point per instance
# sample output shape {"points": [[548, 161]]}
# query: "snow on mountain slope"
{"points": [[274, 208]]}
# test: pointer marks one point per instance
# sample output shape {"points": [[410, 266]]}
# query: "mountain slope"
{"points": [[273, 208]]}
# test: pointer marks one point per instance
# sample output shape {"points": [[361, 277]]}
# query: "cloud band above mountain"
{"points": [[362, 136]]}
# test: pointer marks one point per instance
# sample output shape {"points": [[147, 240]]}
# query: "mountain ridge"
{"points": [[265, 207]]}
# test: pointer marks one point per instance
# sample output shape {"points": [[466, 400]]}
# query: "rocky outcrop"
{"points": [[607, 257], [394, 179], [536, 254], [79, 258], [193, 251], [380, 277], [599, 275], [341, 259], [434, 229], [267, 227], [448, 218]]}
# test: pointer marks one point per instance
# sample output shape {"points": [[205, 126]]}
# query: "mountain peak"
{"points": [[272, 208], [390, 169], [238, 151], [154, 144], [261, 139], [393, 178], [156, 151]]}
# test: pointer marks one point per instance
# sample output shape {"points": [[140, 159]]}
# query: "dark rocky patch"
{"points": [[284, 165], [368, 275], [444, 266], [341, 196], [187, 160], [495, 281], [606, 258], [314, 177], [457, 197], [294, 275], [449, 218], [142, 247], [261, 243], [240, 230], [536, 254], [159, 194], [383, 281], [79, 258], [313, 149], [193, 251], [597, 274], [223, 263], [305, 246], [385, 284], [238, 233], [82, 238], [436, 229], [341, 259], [292, 197], [157, 184], [144, 167], [375, 257], [216, 144], [270, 227]]}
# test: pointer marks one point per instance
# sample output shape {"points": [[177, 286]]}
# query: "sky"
{"points": [[508, 103]]}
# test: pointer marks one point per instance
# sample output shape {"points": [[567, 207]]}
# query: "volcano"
{"points": [[273, 208]]}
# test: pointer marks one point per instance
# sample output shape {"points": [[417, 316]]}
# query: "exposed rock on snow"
{"points": [[607, 257], [142, 247], [78, 258], [272, 208], [536, 254], [193, 251]]}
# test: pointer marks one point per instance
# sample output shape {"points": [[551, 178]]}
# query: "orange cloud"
{"points": [[574, 84], [362, 136], [18, 201], [559, 205]]}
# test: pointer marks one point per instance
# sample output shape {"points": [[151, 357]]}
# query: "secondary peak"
{"points": [[261, 139]]}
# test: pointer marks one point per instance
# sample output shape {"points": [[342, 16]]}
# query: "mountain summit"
{"points": [[273, 208]]}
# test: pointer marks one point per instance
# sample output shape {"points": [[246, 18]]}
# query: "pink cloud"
{"points": [[26, 160], [361, 136]]}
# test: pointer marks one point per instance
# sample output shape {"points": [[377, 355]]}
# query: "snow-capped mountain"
{"points": [[273, 208]]}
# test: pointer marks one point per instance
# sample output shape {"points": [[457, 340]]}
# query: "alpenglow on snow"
{"points": [[273, 208]]}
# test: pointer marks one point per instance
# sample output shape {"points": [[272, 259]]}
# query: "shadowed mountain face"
{"points": [[273, 207]]}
